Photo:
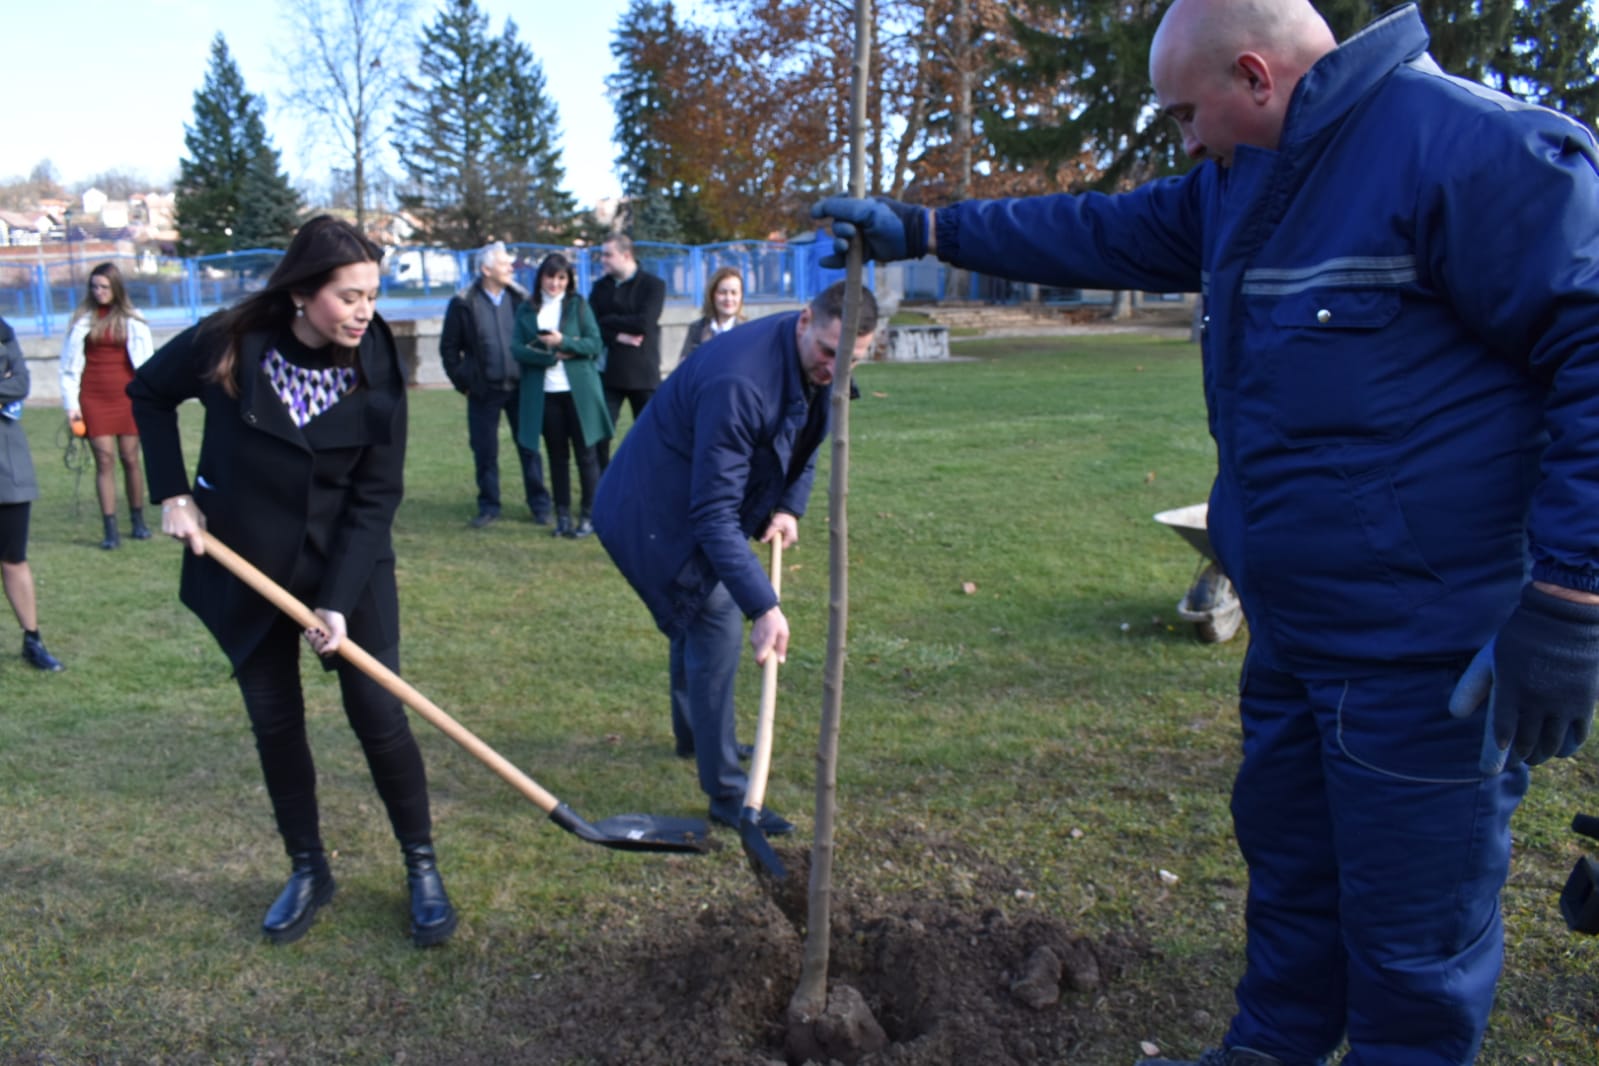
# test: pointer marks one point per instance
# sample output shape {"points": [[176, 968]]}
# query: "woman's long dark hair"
{"points": [[554, 263], [320, 247]]}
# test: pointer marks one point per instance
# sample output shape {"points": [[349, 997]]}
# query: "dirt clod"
{"points": [[1038, 986], [844, 1032]]}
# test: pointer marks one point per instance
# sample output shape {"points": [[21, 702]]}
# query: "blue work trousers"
{"points": [[704, 666], [483, 434], [1376, 853]]}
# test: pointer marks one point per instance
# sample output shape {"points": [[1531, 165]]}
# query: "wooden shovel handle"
{"points": [[761, 763], [280, 597]]}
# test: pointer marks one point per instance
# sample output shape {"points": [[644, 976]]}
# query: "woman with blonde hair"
{"points": [[106, 343], [723, 309]]}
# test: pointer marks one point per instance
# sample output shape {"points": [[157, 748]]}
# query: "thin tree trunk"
{"points": [[810, 996]]}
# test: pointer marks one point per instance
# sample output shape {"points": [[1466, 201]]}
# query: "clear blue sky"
{"points": [[96, 86]]}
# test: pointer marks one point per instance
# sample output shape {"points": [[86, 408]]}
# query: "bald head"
{"points": [[1226, 69]]}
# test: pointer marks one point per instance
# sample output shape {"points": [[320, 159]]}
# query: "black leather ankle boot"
{"points": [[432, 915], [113, 539], [140, 530], [310, 887]]}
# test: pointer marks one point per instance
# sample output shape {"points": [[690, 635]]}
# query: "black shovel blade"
{"points": [[763, 857], [637, 832]]}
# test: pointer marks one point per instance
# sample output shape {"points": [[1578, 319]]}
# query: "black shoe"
{"points": [[140, 530], [432, 916], [585, 528], [310, 887], [113, 539], [484, 518], [771, 823], [563, 526], [541, 516], [34, 653]]}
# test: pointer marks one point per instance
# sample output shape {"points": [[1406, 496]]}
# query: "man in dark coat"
{"points": [[475, 347], [627, 303], [725, 453]]}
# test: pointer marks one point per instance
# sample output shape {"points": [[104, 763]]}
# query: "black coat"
{"points": [[458, 340], [633, 307], [312, 507]]}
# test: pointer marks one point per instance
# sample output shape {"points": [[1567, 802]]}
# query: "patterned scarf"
{"points": [[307, 393]]}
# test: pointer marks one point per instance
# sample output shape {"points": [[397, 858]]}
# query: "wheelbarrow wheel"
{"points": [[1212, 605]]}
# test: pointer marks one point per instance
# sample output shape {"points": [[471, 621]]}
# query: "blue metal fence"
{"points": [[38, 295]]}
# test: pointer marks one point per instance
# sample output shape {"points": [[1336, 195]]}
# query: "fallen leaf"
{"points": [[1149, 478], [1148, 1048], [969, 587], [1168, 878], [613, 738], [879, 395]]}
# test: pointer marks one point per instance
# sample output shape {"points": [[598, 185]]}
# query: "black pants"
{"points": [[563, 436], [483, 434], [270, 682], [636, 399]]}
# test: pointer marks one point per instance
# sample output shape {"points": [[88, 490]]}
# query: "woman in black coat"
{"points": [[300, 471]]}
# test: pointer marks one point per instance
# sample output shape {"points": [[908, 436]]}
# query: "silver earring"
{"points": [[299, 310]]}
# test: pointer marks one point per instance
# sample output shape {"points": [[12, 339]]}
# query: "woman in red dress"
{"points": [[106, 343]]}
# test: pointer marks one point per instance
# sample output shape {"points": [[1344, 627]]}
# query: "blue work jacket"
{"points": [[718, 450], [1401, 351]]}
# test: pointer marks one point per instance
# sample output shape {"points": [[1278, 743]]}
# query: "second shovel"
{"points": [[761, 854]]}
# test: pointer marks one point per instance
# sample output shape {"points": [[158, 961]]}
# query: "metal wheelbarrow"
{"points": [[1210, 604]]}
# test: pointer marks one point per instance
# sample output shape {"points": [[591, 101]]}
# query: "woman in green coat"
{"points": [[556, 333]]}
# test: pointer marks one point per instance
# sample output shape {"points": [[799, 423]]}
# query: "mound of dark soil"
{"points": [[943, 981]]}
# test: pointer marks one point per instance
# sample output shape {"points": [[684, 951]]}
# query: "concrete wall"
{"points": [[418, 340]]}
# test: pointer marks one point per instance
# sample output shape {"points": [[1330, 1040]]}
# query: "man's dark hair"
{"points": [[828, 305]]}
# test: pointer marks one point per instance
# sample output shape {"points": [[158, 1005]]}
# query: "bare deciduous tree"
{"points": [[348, 62]]}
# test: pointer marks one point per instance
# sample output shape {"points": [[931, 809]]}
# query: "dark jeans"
{"points": [[563, 436], [704, 665], [270, 683], [483, 433], [636, 399]]}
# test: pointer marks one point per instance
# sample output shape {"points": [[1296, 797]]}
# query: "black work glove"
{"points": [[1539, 678], [888, 229]]}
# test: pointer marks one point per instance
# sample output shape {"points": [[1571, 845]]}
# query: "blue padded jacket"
{"points": [[716, 452], [1401, 351]]}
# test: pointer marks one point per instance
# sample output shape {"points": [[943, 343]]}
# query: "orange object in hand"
{"points": [[78, 428]]}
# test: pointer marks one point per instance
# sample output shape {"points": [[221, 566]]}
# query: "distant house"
{"points": [[94, 201], [24, 227]]}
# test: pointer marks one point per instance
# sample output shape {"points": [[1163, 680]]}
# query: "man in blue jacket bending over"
{"points": [[725, 452], [1401, 366]]}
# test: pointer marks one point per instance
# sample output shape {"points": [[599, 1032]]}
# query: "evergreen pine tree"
{"points": [[648, 46], [445, 128], [1550, 58], [529, 202], [652, 218], [269, 207], [1104, 122], [230, 160], [642, 43]]}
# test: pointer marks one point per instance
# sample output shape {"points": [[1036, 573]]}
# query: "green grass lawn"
{"points": [[1017, 685]]}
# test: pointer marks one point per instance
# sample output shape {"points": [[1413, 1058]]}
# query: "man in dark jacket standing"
{"points": [[476, 350], [1401, 367], [725, 453], [627, 303]]}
